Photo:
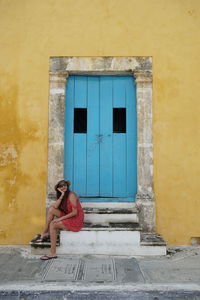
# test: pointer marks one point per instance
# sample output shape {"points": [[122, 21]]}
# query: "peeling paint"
{"points": [[7, 153], [12, 203], [12, 181]]}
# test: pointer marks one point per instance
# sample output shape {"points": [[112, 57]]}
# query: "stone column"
{"points": [[56, 132], [145, 196]]}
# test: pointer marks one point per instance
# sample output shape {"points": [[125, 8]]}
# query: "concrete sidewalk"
{"points": [[25, 276]]}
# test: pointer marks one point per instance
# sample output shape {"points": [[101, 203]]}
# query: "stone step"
{"points": [[107, 199], [88, 226], [152, 244], [101, 218], [100, 241], [125, 226], [100, 213], [107, 211], [107, 241], [109, 207], [151, 239], [95, 242]]}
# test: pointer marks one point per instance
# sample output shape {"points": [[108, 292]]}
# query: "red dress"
{"points": [[74, 223]]}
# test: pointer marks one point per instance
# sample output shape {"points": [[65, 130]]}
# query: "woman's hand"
{"points": [[56, 221], [61, 191]]}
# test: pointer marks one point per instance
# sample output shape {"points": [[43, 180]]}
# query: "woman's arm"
{"points": [[58, 201]]}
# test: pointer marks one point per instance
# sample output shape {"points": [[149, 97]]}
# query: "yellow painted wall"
{"points": [[33, 30]]}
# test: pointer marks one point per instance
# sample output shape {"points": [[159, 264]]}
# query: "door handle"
{"points": [[99, 138]]}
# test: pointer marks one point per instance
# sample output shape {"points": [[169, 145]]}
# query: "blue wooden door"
{"points": [[101, 137]]}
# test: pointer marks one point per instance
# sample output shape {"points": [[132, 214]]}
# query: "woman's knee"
{"points": [[52, 226], [51, 210]]}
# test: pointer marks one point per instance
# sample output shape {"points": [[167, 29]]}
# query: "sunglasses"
{"points": [[61, 185]]}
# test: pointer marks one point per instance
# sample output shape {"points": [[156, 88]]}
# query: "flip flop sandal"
{"points": [[47, 257], [43, 240], [37, 237]]}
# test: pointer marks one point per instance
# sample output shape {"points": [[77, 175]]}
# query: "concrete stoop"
{"points": [[110, 229]]}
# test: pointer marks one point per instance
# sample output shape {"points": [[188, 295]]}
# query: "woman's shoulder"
{"points": [[73, 198], [73, 195]]}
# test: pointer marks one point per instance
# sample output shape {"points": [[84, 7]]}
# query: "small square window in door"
{"points": [[80, 120], [119, 120]]}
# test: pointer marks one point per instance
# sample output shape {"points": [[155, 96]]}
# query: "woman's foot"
{"points": [[43, 239], [36, 238], [47, 257], [40, 238], [43, 235]]}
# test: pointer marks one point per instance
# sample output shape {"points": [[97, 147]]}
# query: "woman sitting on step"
{"points": [[69, 213]]}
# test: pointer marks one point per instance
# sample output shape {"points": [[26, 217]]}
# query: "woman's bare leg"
{"points": [[52, 212], [53, 234]]}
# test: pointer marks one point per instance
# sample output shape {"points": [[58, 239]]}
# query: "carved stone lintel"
{"points": [[61, 65]]}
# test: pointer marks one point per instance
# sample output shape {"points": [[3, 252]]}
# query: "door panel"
{"points": [[79, 179], [105, 140], [69, 137], [131, 136], [93, 138], [80, 91], [119, 92], [119, 165]]}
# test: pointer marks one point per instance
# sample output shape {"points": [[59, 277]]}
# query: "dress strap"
{"points": [[73, 205]]}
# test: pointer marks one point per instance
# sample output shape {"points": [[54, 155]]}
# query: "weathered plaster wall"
{"points": [[31, 31]]}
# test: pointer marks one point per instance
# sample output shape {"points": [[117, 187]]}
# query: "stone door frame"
{"points": [[141, 69]]}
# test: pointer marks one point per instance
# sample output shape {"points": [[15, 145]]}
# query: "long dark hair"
{"points": [[63, 203]]}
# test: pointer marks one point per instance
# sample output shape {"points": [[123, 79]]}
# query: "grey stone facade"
{"points": [[141, 69]]}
